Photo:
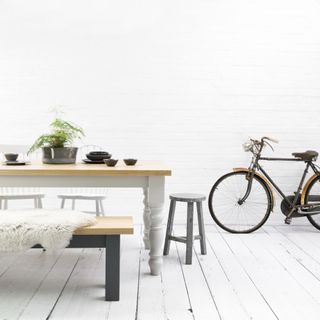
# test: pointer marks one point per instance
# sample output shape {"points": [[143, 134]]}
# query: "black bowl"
{"points": [[130, 162], [11, 156], [98, 157], [110, 162]]}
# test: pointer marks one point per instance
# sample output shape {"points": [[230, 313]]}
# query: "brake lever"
{"points": [[268, 145]]}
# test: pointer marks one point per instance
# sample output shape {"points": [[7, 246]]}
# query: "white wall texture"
{"points": [[184, 81]]}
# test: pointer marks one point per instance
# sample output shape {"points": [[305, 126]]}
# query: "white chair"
{"points": [[7, 194], [98, 195]]}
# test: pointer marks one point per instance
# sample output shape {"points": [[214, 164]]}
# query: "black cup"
{"points": [[130, 162], [110, 162], [11, 156]]}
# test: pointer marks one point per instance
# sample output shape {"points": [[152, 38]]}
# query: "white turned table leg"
{"points": [[156, 202], [146, 218]]}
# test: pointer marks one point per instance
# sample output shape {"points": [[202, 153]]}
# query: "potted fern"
{"points": [[57, 145]]}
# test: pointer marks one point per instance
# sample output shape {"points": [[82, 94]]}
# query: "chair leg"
{"points": [[97, 208], [35, 203], [39, 203], [201, 229], [169, 227], [101, 207], [73, 204], [5, 206], [63, 201], [189, 233]]}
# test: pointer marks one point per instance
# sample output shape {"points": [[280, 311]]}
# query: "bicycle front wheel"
{"points": [[232, 216]]}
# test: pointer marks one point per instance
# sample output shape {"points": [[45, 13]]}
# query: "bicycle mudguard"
{"points": [[304, 190], [261, 177]]}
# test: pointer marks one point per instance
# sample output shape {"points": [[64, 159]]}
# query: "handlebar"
{"points": [[256, 146]]}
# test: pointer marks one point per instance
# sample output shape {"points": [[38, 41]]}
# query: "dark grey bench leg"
{"points": [[112, 268]]}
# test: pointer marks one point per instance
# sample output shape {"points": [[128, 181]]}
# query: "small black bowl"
{"points": [[98, 157], [110, 162], [11, 156], [130, 162]]}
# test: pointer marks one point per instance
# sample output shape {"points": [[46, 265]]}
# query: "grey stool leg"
{"points": [[73, 204], [5, 206], [189, 233], [169, 227], [35, 203], [201, 229], [63, 202]]}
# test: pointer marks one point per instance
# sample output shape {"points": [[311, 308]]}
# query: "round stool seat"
{"points": [[188, 197]]}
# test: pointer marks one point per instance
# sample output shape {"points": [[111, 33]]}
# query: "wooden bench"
{"points": [[106, 234]]}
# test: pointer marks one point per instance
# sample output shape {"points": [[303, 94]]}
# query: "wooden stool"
{"points": [[190, 198]]}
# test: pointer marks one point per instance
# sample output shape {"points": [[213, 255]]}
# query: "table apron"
{"points": [[75, 181]]}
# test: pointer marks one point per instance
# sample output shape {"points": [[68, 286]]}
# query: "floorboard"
{"points": [[262, 267], [43, 300], [22, 280], [173, 286], [249, 295], [83, 296], [202, 302], [224, 292]]}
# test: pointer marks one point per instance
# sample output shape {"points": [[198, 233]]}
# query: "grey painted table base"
{"points": [[111, 243], [190, 198]]}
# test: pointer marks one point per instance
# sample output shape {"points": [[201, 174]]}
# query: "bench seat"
{"points": [[108, 225]]}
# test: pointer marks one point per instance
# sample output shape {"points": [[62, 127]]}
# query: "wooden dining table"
{"points": [[147, 175]]}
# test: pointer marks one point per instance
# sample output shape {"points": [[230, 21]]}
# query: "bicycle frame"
{"points": [[255, 166]]}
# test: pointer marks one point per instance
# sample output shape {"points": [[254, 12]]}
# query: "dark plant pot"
{"points": [[59, 155]]}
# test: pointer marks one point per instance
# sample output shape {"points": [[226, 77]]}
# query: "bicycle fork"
{"points": [[249, 177]]}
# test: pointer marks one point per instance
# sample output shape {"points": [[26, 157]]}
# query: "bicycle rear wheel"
{"points": [[312, 197], [229, 214]]}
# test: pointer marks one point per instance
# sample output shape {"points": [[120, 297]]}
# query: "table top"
{"points": [[141, 168]]}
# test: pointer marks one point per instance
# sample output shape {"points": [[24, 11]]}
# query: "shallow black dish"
{"points": [[110, 162], [92, 161], [130, 162], [15, 163]]}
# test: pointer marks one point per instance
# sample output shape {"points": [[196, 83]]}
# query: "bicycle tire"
{"points": [[312, 219], [241, 175]]}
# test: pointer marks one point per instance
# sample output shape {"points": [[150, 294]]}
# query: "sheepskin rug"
{"points": [[22, 229]]}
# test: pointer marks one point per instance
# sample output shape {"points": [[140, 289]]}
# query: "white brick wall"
{"points": [[183, 81]]}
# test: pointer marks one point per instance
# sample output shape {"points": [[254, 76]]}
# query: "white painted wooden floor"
{"points": [[271, 274]]}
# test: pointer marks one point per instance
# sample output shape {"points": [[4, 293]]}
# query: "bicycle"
{"points": [[241, 201]]}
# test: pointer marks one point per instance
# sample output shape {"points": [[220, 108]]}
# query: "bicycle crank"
{"points": [[286, 208]]}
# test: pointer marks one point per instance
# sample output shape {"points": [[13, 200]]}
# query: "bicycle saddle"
{"points": [[309, 155]]}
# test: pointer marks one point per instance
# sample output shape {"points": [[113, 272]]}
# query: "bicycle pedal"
{"points": [[287, 220]]}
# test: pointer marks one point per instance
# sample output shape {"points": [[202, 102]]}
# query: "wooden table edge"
{"points": [[83, 173]]}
